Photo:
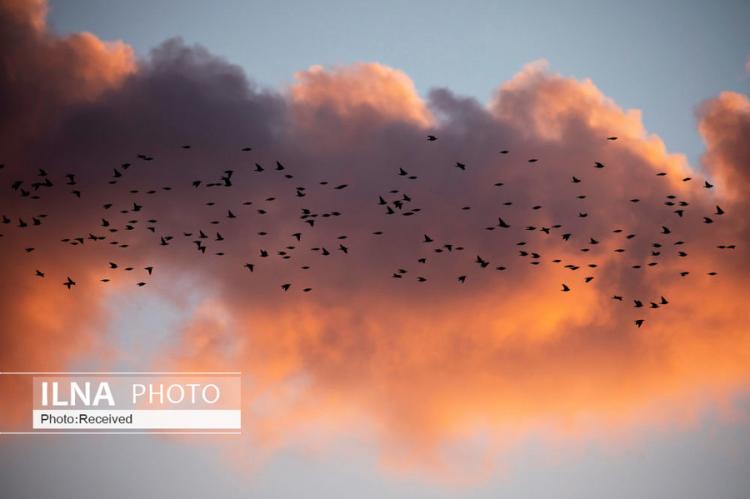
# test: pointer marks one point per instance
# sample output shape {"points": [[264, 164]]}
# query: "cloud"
{"points": [[724, 125], [43, 74], [361, 87], [421, 365]]}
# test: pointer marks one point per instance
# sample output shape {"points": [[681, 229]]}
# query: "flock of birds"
{"points": [[393, 202]]}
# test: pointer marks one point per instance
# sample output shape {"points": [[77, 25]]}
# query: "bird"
{"points": [[565, 288], [69, 283], [639, 322], [431, 138]]}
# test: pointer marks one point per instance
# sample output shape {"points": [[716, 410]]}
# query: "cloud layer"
{"points": [[421, 364]]}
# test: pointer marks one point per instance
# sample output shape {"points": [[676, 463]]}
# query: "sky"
{"points": [[388, 376]]}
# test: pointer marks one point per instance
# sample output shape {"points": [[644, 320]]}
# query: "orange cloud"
{"points": [[724, 125], [47, 72], [42, 328], [421, 365], [361, 87], [513, 354]]}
